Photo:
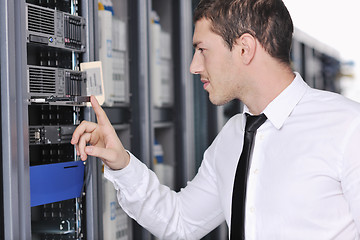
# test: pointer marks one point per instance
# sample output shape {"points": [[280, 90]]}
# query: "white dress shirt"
{"points": [[304, 179]]}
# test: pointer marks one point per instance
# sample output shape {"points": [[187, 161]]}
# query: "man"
{"points": [[304, 175]]}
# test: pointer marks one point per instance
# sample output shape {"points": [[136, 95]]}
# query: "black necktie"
{"points": [[237, 230]]}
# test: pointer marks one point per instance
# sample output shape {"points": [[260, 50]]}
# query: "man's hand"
{"points": [[103, 140]]}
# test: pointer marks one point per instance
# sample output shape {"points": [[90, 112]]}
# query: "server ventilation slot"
{"points": [[42, 80], [41, 20]]}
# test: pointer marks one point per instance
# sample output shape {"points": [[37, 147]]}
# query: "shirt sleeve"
{"points": [[350, 177], [188, 214]]}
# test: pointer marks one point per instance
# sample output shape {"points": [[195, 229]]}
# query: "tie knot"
{"points": [[254, 122]]}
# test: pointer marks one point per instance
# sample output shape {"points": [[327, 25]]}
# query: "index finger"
{"points": [[84, 127], [99, 112]]}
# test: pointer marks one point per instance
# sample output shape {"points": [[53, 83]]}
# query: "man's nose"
{"points": [[196, 66]]}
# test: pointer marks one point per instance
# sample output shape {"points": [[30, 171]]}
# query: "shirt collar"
{"points": [[281, 107]]}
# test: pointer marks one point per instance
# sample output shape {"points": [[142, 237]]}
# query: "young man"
{"points": [[303, 180]]}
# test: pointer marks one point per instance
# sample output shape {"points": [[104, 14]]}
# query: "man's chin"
{"points": [[218, 102]]}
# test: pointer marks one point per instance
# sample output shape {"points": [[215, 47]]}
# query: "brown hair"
{"points": [[267, 20]]}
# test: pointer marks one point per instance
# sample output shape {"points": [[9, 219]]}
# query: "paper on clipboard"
{"points": [[94, 82]]}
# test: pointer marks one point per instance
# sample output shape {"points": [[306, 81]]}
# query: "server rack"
{"points": [[41, 104], [56, 91], [112, 48], [317, 63], [170, 124], [37, 119]]}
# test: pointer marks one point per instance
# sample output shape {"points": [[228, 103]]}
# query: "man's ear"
{"points": [[247, 46]]}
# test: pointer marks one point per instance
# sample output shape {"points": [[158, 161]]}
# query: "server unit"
{"points": [[55, 28], [51, 84]]}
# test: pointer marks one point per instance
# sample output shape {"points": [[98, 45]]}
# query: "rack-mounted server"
{"points": [[50, 134], [55, 28], [48, 84], [47, 81]]}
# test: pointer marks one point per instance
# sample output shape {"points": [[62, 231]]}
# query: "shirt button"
{"points": [[261, 136], [252, 209], [256, 171]]}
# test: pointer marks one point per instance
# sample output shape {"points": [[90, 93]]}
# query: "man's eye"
{"points": [[201, 50]]}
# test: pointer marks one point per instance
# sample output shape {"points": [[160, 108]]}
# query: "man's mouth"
{"points": [[205, 82]]}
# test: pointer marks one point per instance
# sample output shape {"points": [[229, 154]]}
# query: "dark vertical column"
{"points": [[139, 89], [1, 168]]}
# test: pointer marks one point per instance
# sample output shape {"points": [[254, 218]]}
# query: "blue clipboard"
{"points": [[55, 182]]}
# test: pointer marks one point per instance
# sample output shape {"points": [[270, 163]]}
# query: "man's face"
{"points": [[217, 65]]}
